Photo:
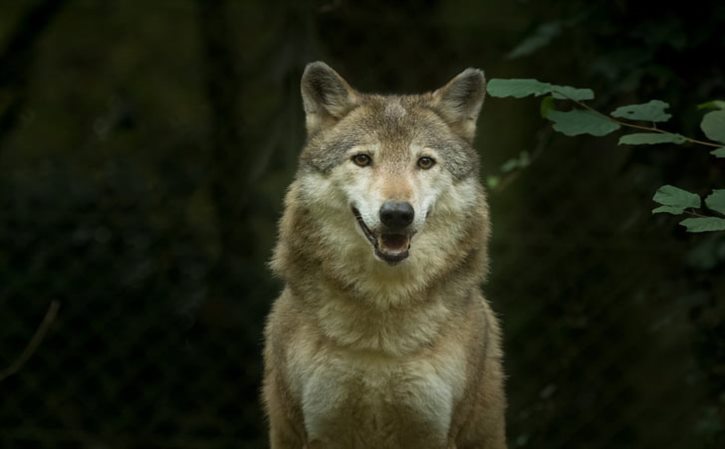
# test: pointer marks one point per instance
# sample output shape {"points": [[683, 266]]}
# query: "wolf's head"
{"points": [[388, 181]]}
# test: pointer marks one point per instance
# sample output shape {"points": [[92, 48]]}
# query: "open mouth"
{"points": [[388, 246]]}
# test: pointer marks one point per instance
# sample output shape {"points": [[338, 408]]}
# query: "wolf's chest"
{"points": [[357, 401]]}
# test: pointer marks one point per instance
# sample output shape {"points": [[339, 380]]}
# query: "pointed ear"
{"points": [[326, 96], [459, 102]]}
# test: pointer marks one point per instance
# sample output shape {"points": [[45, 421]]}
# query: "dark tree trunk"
{"points": [[17, 58], [228, 170]]}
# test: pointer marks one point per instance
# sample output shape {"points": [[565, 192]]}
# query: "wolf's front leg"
{"points": [[280, 440], [283, 436], [285, 425]]}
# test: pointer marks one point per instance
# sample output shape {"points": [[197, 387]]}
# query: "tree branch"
{"points": [[34, 342], [653, 129]]}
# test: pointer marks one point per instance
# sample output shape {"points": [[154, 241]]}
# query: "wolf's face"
{"points": [[382, 165]]}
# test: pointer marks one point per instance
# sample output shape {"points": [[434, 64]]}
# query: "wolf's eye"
{"points": [[362, 160], [426, 162]]}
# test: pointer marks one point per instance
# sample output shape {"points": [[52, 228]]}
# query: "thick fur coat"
{"points": [[381, 338]]}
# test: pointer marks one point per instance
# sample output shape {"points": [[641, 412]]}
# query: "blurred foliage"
{"points": [[145, 148]]}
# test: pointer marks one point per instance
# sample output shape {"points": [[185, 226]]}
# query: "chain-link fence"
{"points": [[142, 201]]}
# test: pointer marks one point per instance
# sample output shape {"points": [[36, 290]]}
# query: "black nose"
{"points": [[396, 214]]}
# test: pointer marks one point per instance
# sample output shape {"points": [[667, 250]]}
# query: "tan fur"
{"points": [[360, 353]]}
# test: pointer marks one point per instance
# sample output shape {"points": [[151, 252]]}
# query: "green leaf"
{"points": [[668, 210], [651, 138], [547, 105], [704, 224], [524, 159], [676, 200], [492, 181], [714, 104], [541, 37], [653, 111], [510, 165], [713, 125], [716, 201], [571, 93], [580, 121], [517, 88], [720, 152]]}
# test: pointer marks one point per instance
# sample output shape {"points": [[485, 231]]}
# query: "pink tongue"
{"points": [[396, 242]]}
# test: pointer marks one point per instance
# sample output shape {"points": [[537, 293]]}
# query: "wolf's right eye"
{"points": [[362, 160]]}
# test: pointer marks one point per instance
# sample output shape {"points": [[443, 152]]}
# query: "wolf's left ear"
{"points": [[460, 101], [326, 96]]}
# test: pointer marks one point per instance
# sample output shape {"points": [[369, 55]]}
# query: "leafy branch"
{"points": [[583, 119]]}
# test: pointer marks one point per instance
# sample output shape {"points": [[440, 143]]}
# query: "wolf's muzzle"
{"points": [[390, 244]]}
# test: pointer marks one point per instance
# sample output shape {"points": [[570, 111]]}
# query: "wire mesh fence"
{"points": [[614, 322]]}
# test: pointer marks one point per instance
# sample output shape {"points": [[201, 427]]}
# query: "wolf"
{"points": [[381, 337]]}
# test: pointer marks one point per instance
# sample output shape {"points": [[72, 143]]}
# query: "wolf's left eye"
{"points": [[362, 160], [426, 162]]}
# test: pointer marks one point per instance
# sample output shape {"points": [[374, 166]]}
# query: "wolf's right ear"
{"points": [[326, 96]]}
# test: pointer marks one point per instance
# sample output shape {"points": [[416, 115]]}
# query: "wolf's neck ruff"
{"points": [[360, 302]]}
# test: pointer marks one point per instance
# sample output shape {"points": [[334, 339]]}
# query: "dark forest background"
{"points": [[145, 147]]}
